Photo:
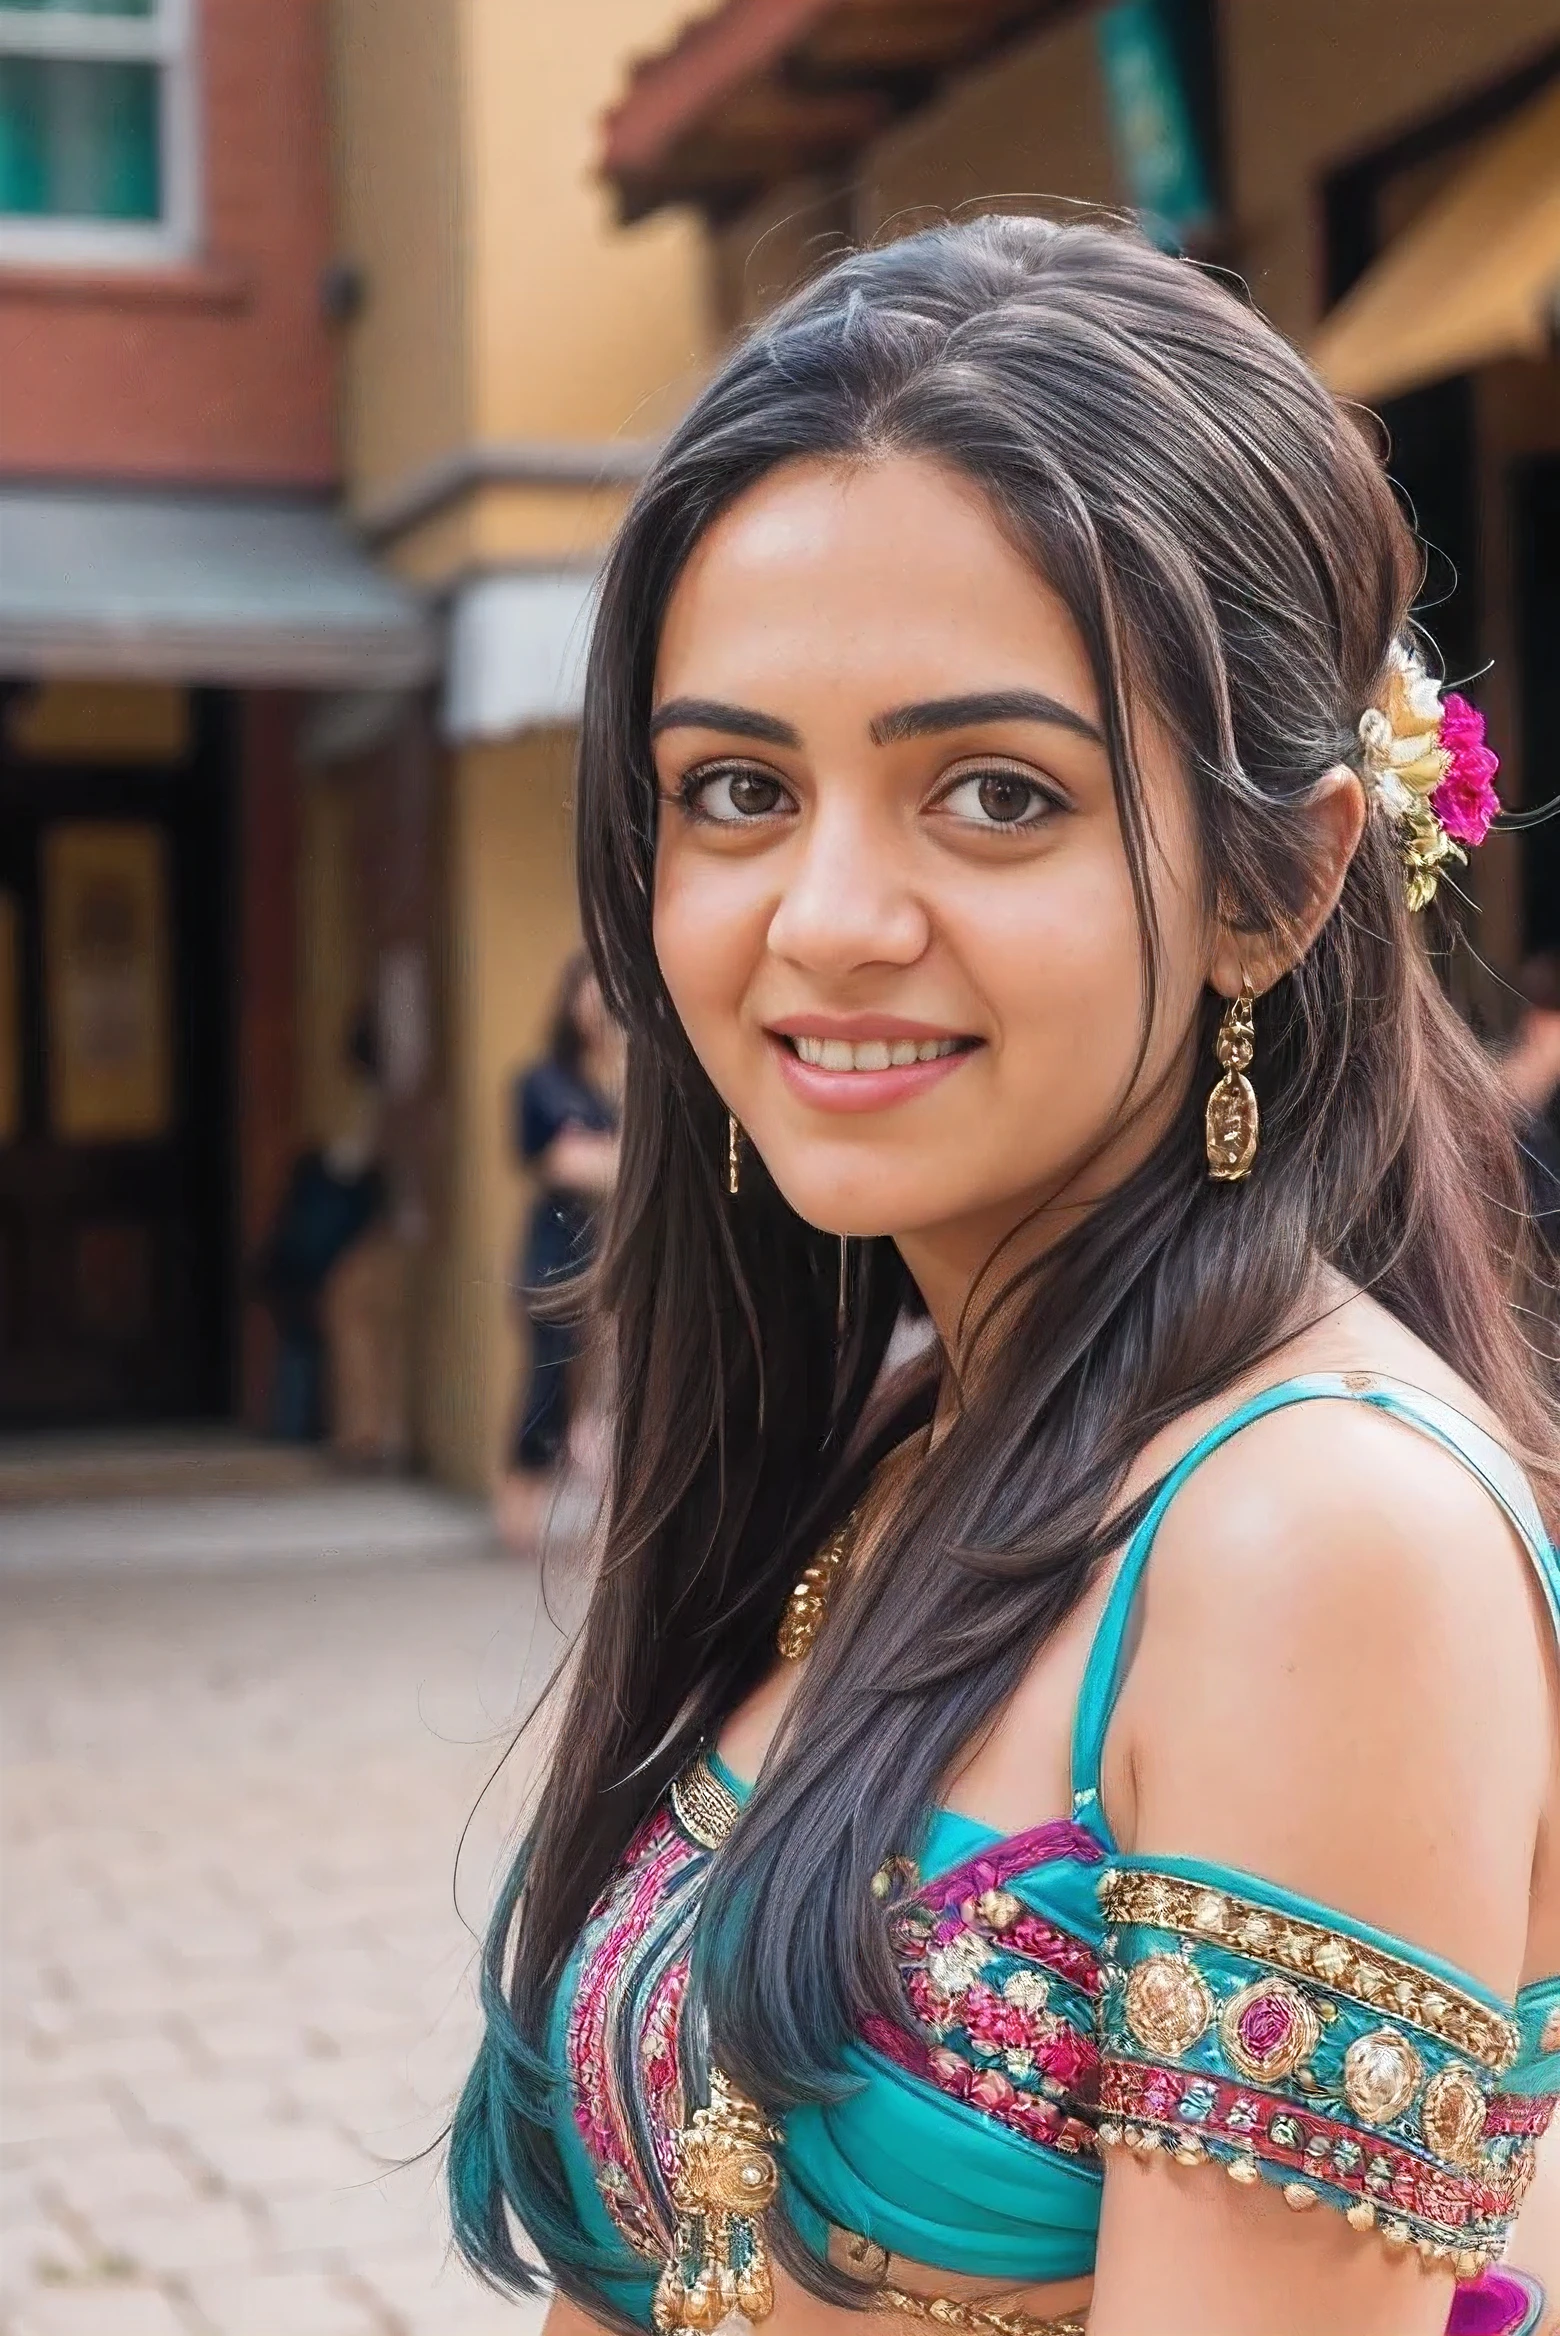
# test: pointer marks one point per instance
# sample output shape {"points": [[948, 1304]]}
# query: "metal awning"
{"points": [[241, 589], [753, 92], [1474, 278], [518, 644]]}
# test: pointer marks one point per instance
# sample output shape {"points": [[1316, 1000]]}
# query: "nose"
{"points": [[849, 899]]}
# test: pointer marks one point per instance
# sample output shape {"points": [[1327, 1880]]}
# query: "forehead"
{"points": [[884, 580]]}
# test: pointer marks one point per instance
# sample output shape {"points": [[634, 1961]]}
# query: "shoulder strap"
{"points": [[1471, 1444]]}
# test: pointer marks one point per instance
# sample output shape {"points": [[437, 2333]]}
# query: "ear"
{"points": [[1336, 808]]}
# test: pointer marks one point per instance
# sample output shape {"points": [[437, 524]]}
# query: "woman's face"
{"points": [[892, 901]]}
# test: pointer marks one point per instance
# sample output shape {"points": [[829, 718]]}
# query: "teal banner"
{"points": [[1151, 122]]}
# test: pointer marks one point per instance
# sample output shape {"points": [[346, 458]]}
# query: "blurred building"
{"points": [[329, 355], [1385, 174], [325, 371], [513, 357], [175, 592]]}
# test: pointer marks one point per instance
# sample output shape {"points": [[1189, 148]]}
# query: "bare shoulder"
{"points": [[1342, 1681], [1330, 1508]]}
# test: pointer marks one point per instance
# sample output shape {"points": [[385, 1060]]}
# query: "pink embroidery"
{"points": [[1305, 2142], [994, 1868], [978, 1967], [619, 1927], [1525, 2113]]}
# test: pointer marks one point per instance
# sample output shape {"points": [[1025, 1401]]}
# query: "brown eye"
{"points": [[752, 793], [732, 793], [1005, 798], [998, 798]]}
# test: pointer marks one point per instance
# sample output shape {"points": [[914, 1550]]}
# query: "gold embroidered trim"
{"points": [[1380, 1982], [703, 1807], [974, 2318], [1172, 2142], [725, 2181]]}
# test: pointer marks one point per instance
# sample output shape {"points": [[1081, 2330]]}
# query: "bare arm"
{"points": [[1340, 1688], [566, 2319], [579, 1161]]}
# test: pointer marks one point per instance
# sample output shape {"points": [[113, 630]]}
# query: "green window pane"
{"points": [[78, 139], [77, 8]]}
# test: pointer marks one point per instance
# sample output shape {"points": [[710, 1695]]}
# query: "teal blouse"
{"points": [[1062, 1997]]}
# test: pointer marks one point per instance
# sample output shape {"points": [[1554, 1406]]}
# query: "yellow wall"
{"points": [[581, 329], [1312, 83], [333, 970], [1030, 126], [512, 922], [401, 212], [502, 301]]}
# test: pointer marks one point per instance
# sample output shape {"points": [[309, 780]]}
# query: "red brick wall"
{"points": [[219, 370]]}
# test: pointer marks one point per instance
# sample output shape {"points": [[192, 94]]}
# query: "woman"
{"points": [[1008, 810], [565, 1133]]}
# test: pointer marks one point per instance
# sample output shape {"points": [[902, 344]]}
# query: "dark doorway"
{"points": [[1535, 492], [116, 1263]]}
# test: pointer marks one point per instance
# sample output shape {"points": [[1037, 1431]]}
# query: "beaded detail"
{"points": [[623, 2032], [703, 1806], [1289, 2052], [1307, 1950], [1003, 2000]]}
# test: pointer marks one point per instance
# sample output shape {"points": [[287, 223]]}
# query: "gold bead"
{"points": [[1243, 2168], [1300, 2196], [1362, 2215]]}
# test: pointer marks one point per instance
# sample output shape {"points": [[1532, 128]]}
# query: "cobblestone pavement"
{"points": [[237, 1994]]}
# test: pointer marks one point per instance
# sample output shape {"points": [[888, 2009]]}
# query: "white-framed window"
{"points": [[98, 149]]}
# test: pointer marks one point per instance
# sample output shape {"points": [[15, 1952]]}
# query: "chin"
{"points": [[863, 1209]]}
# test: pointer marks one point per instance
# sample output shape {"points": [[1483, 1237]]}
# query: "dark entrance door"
{"points": [[115, 1254], [1536, 527]]}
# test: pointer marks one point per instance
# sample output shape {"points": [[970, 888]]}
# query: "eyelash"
{"points": [[693, 783]]}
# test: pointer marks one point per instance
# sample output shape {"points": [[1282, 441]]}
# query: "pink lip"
{"points": [[862, 1090], [858, 1028]]}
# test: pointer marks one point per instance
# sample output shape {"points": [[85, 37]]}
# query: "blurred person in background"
{"points": [[326, 1381], [1013, 798], [1531, 1068], [564, 1118]]}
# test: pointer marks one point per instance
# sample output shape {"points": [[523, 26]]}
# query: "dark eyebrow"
{"points": [[711, 714], [994, 705]]}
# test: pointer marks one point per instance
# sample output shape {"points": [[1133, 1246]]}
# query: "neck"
{"points": [[962, 1265]]}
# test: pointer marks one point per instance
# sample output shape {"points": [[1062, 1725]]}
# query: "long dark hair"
{"points": [[567, 1044], [1232, 554]]}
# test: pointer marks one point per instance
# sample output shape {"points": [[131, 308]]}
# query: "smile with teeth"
{"points": [[872, 1054]]}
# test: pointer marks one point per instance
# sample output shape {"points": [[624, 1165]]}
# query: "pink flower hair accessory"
{"points": [[1426, 764]]}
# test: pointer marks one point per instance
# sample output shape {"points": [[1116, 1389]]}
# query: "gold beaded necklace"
{"points": [[808, 1605], [810, 1599]]}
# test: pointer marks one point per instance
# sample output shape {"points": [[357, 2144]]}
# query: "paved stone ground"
{"points": [[237, 1994]]}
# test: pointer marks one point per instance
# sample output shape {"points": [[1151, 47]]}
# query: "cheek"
{"points": [[708, 930], [1061, 965], [1059, 962]]}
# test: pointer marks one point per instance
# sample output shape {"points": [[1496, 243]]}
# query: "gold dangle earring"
{"points": [[733, 1154], [1232, 1124]]}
